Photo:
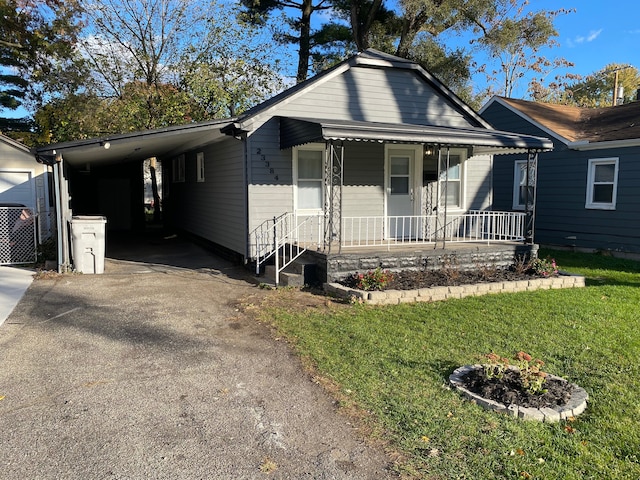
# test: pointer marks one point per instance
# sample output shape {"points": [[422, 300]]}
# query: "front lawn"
{"points": [[394, 362]]}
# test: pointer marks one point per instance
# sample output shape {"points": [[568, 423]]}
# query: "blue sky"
{"points": [[598, 33]]}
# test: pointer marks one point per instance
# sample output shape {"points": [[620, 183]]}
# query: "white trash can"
{"points": [[87, 243]]}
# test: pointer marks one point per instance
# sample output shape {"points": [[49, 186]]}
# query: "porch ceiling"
{"points": [[298, 131]]}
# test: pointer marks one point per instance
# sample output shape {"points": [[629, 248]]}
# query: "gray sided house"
{"points": [[369, 157], [25, 205], [586, 191]]}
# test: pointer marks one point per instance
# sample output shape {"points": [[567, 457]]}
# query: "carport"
{"points": [[103, 176]]}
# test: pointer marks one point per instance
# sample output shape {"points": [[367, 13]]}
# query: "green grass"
{"points": [[394, 362]]}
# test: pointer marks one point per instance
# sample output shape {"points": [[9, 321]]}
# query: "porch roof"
{"points": [[298, 131]]}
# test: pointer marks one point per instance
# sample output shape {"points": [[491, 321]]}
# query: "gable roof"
{"points": [[14, 143], [371, 58], [578, 126]]}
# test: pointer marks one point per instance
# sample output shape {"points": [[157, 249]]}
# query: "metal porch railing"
{"points": [[286, 238], [474, 226]]}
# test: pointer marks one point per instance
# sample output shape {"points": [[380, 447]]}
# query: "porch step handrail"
{"points": [[286, 238]]}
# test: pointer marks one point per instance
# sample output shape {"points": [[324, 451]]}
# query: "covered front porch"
{"points": [[386, 188]]}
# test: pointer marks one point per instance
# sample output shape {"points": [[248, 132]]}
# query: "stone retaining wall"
{"points": [[434, 294]]}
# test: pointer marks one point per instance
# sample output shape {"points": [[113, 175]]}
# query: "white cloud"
{"points": [[593, 34]]}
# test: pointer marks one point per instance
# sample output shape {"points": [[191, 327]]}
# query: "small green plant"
{"points": [[545, 267], [530, 371], [496, 365], [531, 375], [376, 279]]}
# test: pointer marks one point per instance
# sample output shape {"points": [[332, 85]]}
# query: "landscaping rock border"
{"points": [[434, 294], [574, 407]]}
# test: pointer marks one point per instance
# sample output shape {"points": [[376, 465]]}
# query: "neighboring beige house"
{"points": [[24, 191]]}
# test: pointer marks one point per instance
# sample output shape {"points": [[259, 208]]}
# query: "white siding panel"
{"points": [[214, 209]]}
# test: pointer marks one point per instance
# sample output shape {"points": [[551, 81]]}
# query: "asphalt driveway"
{"points": [[152, 372]]}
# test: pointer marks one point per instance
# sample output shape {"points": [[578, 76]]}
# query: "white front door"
{"points": [[402, 195]]}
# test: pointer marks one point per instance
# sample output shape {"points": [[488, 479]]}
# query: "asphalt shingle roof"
{"points": [[576, 123]]}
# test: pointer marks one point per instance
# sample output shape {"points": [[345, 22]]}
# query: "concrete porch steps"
{"points": [[300, 273]]}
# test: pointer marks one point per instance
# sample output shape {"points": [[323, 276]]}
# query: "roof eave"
{"points": [[585, 145]]}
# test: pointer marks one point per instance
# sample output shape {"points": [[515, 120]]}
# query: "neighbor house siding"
{"points": [[561, 216], [14, 161], [215, 208]]}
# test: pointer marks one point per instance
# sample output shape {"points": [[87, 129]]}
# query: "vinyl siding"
{"points": [[213, 209], [478, 182], [561, 192], [271, 185], [374, 95]]}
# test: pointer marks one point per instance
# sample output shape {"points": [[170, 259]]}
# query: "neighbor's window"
{"points": [[178, 168], [520, 191], [602, 183], [308, 168], [200, 167]]}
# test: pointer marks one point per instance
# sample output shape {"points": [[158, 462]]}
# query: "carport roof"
{"points": [[298, 131], [137, 146]]}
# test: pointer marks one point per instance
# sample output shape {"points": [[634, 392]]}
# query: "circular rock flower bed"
{"points": [[522, 391]]}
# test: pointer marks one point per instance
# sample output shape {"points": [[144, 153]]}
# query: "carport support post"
{"points": [[62, 206]]}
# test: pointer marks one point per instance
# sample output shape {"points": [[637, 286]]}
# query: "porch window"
{"points": [[522, 192], [308, 171], [602, 183], [178, 169], [451, 178], [200, 166]]}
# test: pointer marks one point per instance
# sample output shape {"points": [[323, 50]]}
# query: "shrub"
{"points": [[376, 279]]}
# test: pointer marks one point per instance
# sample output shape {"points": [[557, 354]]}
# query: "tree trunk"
{"points": [[305, 41], [154, 190]]}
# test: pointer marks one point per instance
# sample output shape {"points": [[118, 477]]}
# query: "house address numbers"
{"points": [[267, 165]]}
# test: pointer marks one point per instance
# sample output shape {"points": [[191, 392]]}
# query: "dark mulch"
{"points": [[408, 280], [412, 279], [508, 390]]}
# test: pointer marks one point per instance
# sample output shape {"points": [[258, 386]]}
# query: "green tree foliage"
{"points": [[597, 89], [232, 69], [515, 38], [36, 37], [154, 64], [297, 22]]}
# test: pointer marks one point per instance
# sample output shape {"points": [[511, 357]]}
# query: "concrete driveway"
{"points": [[152, 372]]}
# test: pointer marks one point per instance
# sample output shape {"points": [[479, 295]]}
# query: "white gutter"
{"points": [[583, 145]]}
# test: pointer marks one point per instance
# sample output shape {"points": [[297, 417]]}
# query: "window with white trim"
{"points": [[602, 183], [522, 193], [178, 169], [452, 179], [200, 167], [308, 169]]}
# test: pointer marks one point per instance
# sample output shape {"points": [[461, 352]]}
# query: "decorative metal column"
{"points": [[333, 181], [530, 195]]}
